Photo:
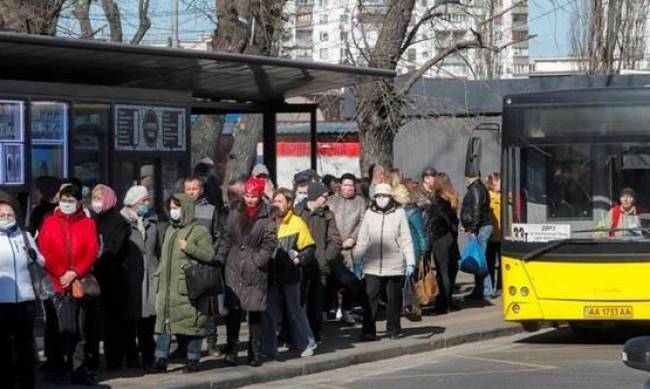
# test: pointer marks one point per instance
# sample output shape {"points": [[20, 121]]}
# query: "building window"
{"points": [[344, 36], [303, 20], [322, 3], [425, 55], [324, 53], [519, 35], [519, 18], [324, 36], [323, 19], [411, 54], [344, 18]]}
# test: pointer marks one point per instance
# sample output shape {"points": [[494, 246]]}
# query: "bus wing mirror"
{"points": [[473, 157]]}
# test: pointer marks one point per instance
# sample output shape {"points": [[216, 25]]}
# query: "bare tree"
{"points": [[607, 36], [114, 20], [31, 16], [380, 102]]}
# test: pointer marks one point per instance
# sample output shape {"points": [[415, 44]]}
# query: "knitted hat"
{"points": [[110, 200], [383, 189], [255, 187], [316, 190], [134, 194]]}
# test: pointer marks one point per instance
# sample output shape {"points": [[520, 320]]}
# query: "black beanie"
{"points": [[316, 190]]}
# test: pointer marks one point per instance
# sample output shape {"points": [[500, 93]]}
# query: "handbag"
{"points": [[66, 313], [41, 281], [426, 286], [473, 259], [202, 279], [86, 286]]}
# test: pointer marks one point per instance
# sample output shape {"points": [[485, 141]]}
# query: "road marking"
{"points": [[459, 374], [530, 365]]}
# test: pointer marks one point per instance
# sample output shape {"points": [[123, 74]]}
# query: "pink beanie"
{"points": [[110, 200]]}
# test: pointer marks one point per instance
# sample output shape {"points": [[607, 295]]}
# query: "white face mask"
{"points": [[7, 224], [175, 214], [68, 208], [97, 206], [300, 197], [382, 202]]}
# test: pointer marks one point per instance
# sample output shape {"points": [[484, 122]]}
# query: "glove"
{"points": [[357, 268], [410, 269], [293, 254]]}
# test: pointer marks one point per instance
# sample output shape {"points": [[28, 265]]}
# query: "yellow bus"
{"points": [[570, 252]]}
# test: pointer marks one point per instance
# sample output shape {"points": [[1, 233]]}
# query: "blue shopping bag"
{"points": [[473, 259]]}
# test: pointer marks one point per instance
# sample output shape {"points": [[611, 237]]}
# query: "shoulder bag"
{"points": [[41, 281], [202, 279]]}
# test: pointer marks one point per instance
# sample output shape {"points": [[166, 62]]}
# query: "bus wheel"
{"points": [[531, 326]]}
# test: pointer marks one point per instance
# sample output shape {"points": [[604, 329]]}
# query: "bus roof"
{"points": [[580, 96]]}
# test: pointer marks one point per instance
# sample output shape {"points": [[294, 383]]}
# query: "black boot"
{"points": [[254, 345], [191, 366], [231, 355], [159, 366]]}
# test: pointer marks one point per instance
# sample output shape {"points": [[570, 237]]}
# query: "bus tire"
{"points": [[531, 326]]}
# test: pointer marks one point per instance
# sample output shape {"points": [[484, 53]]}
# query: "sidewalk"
{"points": [[340, 348]]}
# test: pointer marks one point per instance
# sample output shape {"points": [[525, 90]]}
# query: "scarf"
{"points": [[133, 218]]}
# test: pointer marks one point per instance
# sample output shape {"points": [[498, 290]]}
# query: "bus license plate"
{"points": [[608, 312]]}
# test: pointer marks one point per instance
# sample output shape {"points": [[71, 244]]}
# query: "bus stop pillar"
{"points": [[269, 138]]}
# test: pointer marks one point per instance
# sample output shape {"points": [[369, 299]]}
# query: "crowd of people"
{"points": [[288, 260]]}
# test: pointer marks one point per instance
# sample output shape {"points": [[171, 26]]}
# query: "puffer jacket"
{"points": [[418, 230], [245, 249], [385, 245], [175, 313], [475, 210], [293, 234], [15, 280], [322, 225]]}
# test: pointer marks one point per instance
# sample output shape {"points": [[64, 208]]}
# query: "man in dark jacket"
{"points": [[475, 218], [322, 224], [208, 216]]}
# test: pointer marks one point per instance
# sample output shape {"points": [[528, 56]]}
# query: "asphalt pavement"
{"points": [[553, 358]]}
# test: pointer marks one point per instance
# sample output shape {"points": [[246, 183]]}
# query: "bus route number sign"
{"points": [[540, 232]]}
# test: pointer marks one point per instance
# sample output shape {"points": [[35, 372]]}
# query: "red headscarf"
{"points": [[254, 187]]}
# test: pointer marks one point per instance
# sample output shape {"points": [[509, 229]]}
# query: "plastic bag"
{"points": [[473, 259]]}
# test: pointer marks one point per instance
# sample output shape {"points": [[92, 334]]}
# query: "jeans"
{"points": [[483, 282], [17, 348], [285, 297], [165, 342], [375, 286]]}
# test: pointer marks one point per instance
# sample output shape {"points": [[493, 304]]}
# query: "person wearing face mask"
{"points": [[141, 265], [385, 249], [322, 224], [17, 299], [111, 275], [248, 241], [69, 242], [185, 240]]}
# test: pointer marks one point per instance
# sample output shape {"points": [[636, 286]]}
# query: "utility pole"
{"points": [[175, 23]]}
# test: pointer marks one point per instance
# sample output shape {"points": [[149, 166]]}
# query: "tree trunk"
{"points": [[244, 150], [206, 132], [30, 16], [112, 13], [82, 13]]}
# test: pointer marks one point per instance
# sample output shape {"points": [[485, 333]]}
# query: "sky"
{"points": [[548, 19]]}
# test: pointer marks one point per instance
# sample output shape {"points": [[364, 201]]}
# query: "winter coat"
{"points": [[293, 234], [418, 231], [245, 249], [442, 218], [141, 265], [348, 214], [175, 313], [15, 280], [475, 210], [68, 242], [385, 245], [322, 225], [110, 267], [208, 216]]}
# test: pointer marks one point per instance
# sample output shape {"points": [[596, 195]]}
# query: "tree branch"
{"points": [[428, 15], [143, 24], [82, 13]]}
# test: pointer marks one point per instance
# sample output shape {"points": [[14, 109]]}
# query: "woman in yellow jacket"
{"points": [[493, 253]]}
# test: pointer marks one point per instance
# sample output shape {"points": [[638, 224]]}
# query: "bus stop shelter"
{"points": [[106, 112]]}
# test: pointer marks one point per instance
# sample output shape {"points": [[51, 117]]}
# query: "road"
{"points": [[552, 359]]}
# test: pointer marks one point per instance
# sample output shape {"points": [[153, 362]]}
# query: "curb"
{"points": [[335, 360]]}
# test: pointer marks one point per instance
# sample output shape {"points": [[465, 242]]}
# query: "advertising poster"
{"points": [[13, 157], [11, 121], [149, 128], [49, 121], [47, 160]]}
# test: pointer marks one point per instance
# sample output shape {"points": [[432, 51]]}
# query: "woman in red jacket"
{"points": [[69, 242]]}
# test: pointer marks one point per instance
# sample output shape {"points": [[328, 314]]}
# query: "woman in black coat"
{"points": [[247, 244], [111, 274]]}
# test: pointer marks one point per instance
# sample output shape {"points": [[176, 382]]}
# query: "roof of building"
{"points": [[208, 74]]}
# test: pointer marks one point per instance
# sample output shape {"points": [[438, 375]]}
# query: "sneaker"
{"points": [[339, 314], [309, 350], [213, 350], [159, 366], [326, 316], [347, 318]]}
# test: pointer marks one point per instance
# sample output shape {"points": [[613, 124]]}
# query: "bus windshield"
{"points": [[577, 190]]}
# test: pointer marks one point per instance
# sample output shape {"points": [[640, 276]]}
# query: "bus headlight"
{"points": [[524, 291], [512, 290], [516, 308]]}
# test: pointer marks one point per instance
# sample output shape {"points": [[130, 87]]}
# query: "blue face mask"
{"points": [[143, 210]]}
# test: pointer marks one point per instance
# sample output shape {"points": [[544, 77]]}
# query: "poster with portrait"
{"points": [[149, 128], [49, 121], [11, 121], [13, 164], [48, 160]]}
